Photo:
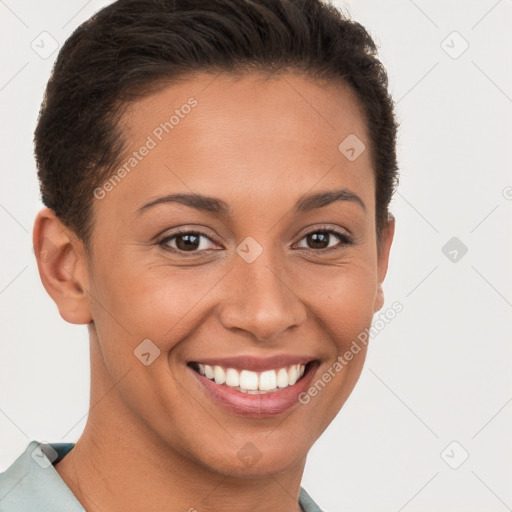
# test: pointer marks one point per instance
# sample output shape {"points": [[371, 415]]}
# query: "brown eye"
{"points": [[185, 241], [188, 242], [321, 239]]}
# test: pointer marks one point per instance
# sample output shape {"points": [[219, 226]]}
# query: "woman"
{"points": [[216, 177]]}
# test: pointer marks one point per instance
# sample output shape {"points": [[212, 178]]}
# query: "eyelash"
{"points": [[342, 237]]}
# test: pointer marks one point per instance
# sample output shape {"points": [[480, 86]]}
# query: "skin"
{"points": [[153, 440]]}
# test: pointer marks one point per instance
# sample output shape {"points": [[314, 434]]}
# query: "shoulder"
{"points": [[306, 502], [32, 483]]}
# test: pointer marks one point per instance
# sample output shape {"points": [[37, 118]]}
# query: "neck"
{"points": [[120, 464]]}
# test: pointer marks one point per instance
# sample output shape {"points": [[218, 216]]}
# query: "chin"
{"points": [[253, 459]]}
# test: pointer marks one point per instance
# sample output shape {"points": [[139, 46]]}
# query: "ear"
{"points": [[387, 235], [62, 265]]}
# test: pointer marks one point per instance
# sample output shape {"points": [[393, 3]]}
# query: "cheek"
{"points": [[152, 301], [135, 301], [342, 298], [345, 311], [351, 308]]}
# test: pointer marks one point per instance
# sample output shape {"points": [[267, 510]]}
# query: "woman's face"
{"points": [[265, 279]]}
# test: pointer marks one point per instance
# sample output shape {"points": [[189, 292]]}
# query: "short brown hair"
{"points": [[126, 49]]}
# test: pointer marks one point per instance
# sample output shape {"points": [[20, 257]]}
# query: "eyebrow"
{"points": [[220, 208]]}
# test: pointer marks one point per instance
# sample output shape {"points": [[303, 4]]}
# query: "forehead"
{"points": [[296, 105], [225, 135]]}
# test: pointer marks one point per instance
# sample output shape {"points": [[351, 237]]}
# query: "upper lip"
{"points": [[255, 363]]}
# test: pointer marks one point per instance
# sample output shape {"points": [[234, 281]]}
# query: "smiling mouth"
{"points": [[250, 382]]}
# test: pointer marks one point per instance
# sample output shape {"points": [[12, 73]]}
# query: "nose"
{"points": [[260, 300]]}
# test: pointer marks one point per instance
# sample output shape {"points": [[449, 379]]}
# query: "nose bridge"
{"points": [[260, 299]]}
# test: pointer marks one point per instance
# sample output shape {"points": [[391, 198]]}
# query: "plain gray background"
{"points": [[436, 387]]}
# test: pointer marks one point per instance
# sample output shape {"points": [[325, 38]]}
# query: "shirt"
{"points": [[32, 484]]}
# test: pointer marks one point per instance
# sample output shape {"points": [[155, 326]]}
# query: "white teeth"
{"points": [[208, 371], [282, 378], [293, 374], [268, 380], [232, 378], [248, 380], [251, 382], [219, 375]]}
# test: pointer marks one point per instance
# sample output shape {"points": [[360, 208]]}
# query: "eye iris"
{"points": [[191, 241], [318, 237], [188, 245]]}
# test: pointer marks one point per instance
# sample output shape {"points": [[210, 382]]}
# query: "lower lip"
{"points": [[256, 406]]}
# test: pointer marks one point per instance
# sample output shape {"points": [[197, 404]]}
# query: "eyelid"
{"points": [[328, 228], [161, 241], [344, 239]]}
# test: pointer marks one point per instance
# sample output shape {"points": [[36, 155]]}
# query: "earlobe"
{"points": [[62, 266], [383, 259], [379, 299]]}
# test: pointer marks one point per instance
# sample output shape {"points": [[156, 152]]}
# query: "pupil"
{"points": [[316, 238], [189, 241], [187, 245]]}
